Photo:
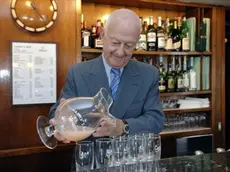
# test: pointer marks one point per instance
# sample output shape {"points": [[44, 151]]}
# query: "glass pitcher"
{"points": [[76, 118]]}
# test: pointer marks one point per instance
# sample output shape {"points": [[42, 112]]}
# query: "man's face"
{"points": [[118, 44]]}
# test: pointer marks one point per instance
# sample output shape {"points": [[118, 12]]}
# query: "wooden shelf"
{"points": [[168, 111], [185, 93], [93, 50], [32, 150], [188, 132]]}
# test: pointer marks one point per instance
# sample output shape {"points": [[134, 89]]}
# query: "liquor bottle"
{"points": [[85, 36], [203, 34], [174, 73], [142, 42], [160, 36], [170, 78], [151, 36], [98, 40], [171, 81], [176, 37], [82, 20], [162, 77], [179, 78], [168, 36], [185, 75], [185, 35], [192, 77], [93, 36]]}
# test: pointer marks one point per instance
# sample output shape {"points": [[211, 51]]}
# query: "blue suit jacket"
{"points": [[137, 99]]}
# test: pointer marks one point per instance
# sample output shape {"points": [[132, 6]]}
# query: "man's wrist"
{"points": [[125, 129]]}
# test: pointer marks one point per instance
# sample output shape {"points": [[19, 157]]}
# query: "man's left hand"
{"points": [[107, 128]]}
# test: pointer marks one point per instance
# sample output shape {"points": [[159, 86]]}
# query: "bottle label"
{"points": [[161, 42], [85, 36], [171, 83], [98, 43], [179, 83], [192, 80], [185, 44], [141, 44], [186, 82], [169, 44], [176, 45], [94, 29], [151, 37], [162, 86]]}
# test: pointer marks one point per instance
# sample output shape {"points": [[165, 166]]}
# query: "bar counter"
{"points": [[218, 162]]}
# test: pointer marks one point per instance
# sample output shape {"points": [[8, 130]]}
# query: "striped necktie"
{"points": [[115, 74]]}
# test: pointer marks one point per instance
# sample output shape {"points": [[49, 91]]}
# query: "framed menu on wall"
{"points": [[34, 72]]}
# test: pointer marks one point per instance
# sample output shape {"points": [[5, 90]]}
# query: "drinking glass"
{"points": [[137, 146], [103, 153], [119, 147], [150, 146], [157, 149], [84, 156]]}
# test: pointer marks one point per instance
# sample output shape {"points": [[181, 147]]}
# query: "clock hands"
{"points": [[32, 3]]}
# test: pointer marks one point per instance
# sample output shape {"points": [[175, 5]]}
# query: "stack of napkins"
{"points": [[191, 102]]}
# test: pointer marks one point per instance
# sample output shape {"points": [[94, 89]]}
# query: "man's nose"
{"points": [[120, 51]]}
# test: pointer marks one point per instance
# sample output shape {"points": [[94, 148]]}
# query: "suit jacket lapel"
{"points": [[96, 78], [128, 88]]}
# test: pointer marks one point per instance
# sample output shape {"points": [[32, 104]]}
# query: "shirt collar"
{"points": [[107, 66]]}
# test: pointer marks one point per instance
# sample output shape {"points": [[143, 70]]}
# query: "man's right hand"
{"points": [[57, 135]]}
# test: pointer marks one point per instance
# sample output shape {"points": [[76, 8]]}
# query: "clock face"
{"points": [[34, 15]]}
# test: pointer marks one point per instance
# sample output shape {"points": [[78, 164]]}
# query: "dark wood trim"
{"points": [[213, 72], [189, 132], [169, 111], [32, 150], [223, 83], [94, 50], [150, 3], [179, 3], [221, 41], [185, 93]]}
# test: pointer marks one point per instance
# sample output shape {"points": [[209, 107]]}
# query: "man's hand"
{"points": [[107, 128], [58, 135]]}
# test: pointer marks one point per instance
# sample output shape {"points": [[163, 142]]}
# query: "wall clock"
{"points": [[34, 15]]}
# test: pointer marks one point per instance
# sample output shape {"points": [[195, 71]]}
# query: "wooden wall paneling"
{"points": [[213, 69], [59, 161], [78, 30], [18, 129], [223, 74], [218, 75]]}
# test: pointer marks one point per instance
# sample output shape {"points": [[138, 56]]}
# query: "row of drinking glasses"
{"points": [[185, 121], [118, 151], [169, 103]]}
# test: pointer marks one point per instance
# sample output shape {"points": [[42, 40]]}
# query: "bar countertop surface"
{"points": [[215, 162]]}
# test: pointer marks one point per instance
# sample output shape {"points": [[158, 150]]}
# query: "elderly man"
{"points": [[132, 84]]}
